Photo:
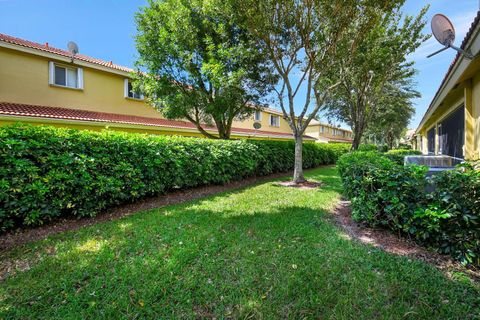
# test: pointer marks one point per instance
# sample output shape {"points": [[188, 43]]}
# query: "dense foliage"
{"points": [[300, 39], [398, 155], [376, 88], [200, 65], [451, 220], [48, 172], [367, 147], [384, 193]]}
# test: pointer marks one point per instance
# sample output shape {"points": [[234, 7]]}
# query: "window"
{"points": [[130, 93], [274, 121], [258, 115], [65, 76], [451, 134], [322, 129]]}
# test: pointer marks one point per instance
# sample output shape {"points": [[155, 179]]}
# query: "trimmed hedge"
{"points": [[367, 147], [386, 194], [48, 172], [398, 155], [383, 193]]}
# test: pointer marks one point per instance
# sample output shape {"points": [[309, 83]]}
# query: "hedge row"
{"points": [[386, 194], [47, 172], [398, 155]]}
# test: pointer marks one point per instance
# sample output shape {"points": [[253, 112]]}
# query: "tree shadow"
{"points": [[185, 261]]}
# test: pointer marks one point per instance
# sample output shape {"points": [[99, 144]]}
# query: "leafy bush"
{"points": [[387, 194], [404, 146], [48, 172], [367, 147], [398, 155], [451, 220], [382, 192], [383, 148]]}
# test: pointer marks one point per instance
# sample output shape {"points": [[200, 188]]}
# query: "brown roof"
{"points": [[463, 46], [47, 48], [27, 110]]}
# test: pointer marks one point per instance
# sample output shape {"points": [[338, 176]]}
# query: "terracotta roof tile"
{"points": [[60, 52], [27, 110]]}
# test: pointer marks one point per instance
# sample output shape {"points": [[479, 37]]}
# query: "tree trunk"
{"points": [[356, 141], [298, 168]]}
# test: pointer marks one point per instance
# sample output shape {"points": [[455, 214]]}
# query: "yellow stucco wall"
{"points": [[24, 78], [467, 95], [313, 130], [265, 122]]}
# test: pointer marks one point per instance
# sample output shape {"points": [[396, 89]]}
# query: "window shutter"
{"points": [[125, 88], [51, 73], [80, 78]]}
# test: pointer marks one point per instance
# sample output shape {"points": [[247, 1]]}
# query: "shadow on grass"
{"points": [[218, 258]]}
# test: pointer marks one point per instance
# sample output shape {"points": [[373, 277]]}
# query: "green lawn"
{"points": [[260, 252]]}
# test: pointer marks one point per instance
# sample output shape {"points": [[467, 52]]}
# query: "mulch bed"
{"points": [[22, 236], [392, 243]]}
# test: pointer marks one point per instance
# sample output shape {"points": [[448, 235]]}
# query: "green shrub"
{"points": [[384, 193], [47, 172], [451, 220], [398, 155], [367, 147], [404, 146], [383, 148]]}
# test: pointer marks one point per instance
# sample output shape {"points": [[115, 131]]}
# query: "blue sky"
{"points": [[105, 29]]}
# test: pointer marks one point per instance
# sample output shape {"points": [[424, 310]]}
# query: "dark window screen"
{"points": [[431, 141], [60, 77], [451, 134]]}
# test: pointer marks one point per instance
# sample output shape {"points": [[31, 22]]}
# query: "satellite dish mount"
{"points": [[72, 48], [444, 32]]}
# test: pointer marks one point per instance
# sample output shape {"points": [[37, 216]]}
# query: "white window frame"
{"points": [[51, 77], [271, 122], [322, 129], [259, 112], [126, 91]]}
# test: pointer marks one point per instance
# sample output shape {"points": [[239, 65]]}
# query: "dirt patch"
{"points": [[22, 236], [392, 243], [301, 185]]}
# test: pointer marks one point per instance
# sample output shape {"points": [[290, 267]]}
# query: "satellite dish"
{"points": [[257, 125], [444, 32], [72, 48]]}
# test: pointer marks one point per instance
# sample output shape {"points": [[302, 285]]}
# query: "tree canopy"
{"points": [[198, 64], [375, 80], [302, 40]]}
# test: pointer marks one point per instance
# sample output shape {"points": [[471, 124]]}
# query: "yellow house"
{"points": [[328, 133], [40, 84], [451, 125]]}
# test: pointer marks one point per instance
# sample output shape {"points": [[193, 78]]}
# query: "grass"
{"points": [[262, 252]]}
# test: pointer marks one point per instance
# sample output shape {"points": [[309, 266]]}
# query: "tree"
{"points": [[300, 38], [198, 65], [393, 112], [376, 72]]}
